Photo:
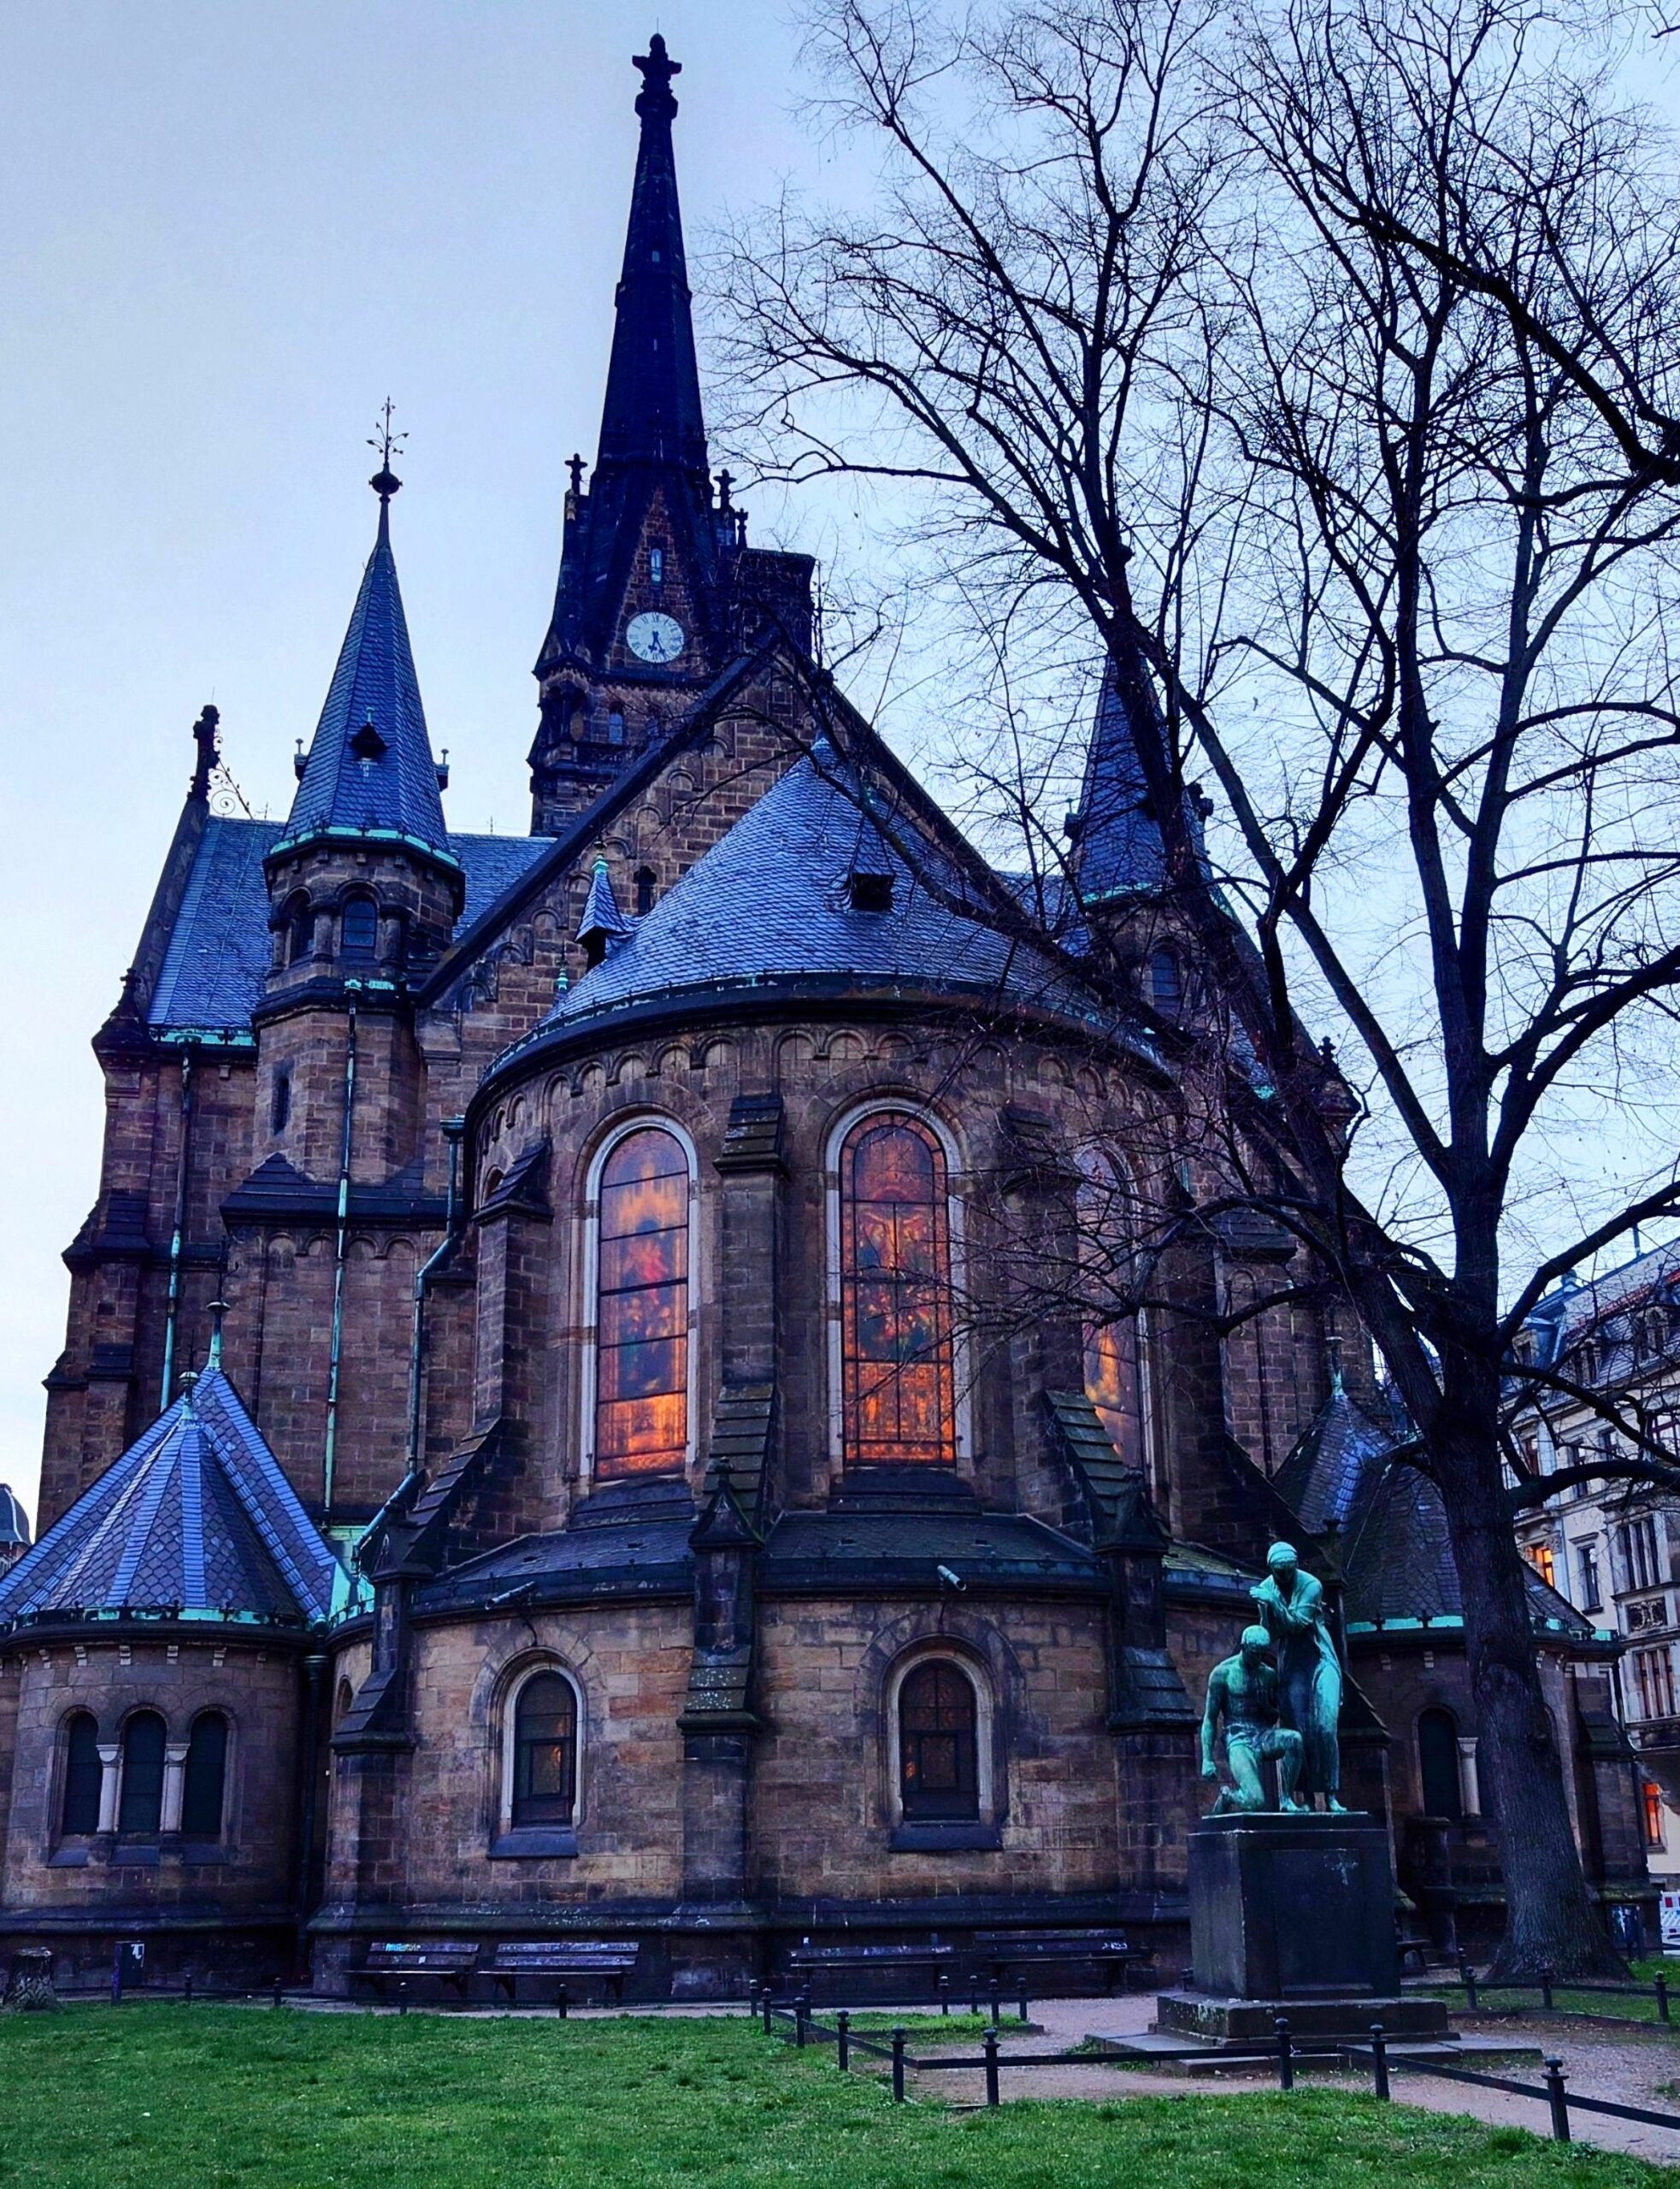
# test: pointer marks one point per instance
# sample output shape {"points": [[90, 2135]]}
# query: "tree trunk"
{"points": [[1551, 1919]]}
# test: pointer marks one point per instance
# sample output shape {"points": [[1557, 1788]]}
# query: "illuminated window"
{"points": [[1538, 1555], [1652, 1798], [641, 1347], [206, 1784], [1111, 1382], [140, 1802], [897, 1368], [82, 1775], [544, 1752], [938, 1768]]}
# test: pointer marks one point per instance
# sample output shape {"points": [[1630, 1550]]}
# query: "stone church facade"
{"points": [[542, 1446]]}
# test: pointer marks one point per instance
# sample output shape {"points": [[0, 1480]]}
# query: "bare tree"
{"points": [[1314, 365]]}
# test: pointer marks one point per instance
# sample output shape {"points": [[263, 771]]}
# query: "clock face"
{"points": [[655, 637]]}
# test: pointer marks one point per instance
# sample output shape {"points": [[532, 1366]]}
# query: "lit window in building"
{"points": [[1652, 1798], [641, 1401], [937, 1744], [897, 1369], [1540, 1556], [1111, 1341], [544, 1752]]}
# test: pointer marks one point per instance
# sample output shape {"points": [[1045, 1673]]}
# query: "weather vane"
{"points": [[384, 482]]}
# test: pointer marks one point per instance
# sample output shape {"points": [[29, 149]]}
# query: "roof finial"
{"points": [[218, 1310], [574, 465], [189, 1377], [204, 737], [654, 102], [384, 482]]}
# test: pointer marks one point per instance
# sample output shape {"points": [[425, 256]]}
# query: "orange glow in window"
{"points": [[897, 1370], [641, 1351]]}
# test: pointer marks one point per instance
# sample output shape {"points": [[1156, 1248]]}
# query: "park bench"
{"points": [[401, 1963], [1019, 1951], [853, 1961], [609, 1960]]}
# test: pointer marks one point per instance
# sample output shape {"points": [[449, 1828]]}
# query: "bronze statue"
{"points": [[1242, 1692], [1309, 1672]]}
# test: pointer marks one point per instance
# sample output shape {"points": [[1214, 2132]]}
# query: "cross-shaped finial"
{"points": [[384, 482], [574, 465], [654, 102], [725, 482]]}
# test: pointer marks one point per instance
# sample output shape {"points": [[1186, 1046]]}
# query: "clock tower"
{"points": [[658, 588]]}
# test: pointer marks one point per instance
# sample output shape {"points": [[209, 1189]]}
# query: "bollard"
{"points": [[766, 2005], [1546, 1989], [187, 1989], [843, 2040], [1662, 1998], [1024, 1998], [992, 1990], [562, 2004], [280, 1991], [1379, 2062], [990, 2043], [1558, 2099], [1467, 1978], [403, 1996], [801, 2013], [944, 1993], [1286, 2057], [900, 2033]]}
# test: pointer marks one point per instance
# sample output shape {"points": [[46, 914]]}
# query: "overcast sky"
{"points": [[226, 233]]}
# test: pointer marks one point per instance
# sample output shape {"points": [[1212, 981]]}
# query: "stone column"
{"points": [[110, 1756], [174, 1784]]}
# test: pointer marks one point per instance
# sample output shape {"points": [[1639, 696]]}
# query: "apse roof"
{"points": [[195, 1519]]}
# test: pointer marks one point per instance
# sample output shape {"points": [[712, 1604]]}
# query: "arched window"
{"points": [[1113, 1381], [645, 881], [1166, 985], [641, 1308], [82, 1773], [544, 1752], [614, 727], [140, 1802], [279, 1102], [299, 930], [939, 1759], [898, 1375], [202, 1796], [358, 931], [1438, 1764]]}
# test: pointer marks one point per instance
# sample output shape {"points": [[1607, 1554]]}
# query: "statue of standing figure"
{"points": [[1291, 1604]]}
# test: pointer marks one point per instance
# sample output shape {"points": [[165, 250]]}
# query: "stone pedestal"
{"points": [[1293, 1915]]}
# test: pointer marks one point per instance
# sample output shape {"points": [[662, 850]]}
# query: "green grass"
{"points": [[160, 2097], [1495, 1998]]}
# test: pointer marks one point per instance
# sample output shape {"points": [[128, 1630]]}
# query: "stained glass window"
{"points": [[544, 1751], [140, 1804], [82, 1773], [641, 1401], [206, 1777], [939, 1773], [896, 1371], [1111, 1382], [360, 928]]}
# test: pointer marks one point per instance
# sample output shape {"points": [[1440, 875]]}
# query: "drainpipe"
{"points": [[341, 1245], [454, 1127], [178, 1236], [314, 1666]]}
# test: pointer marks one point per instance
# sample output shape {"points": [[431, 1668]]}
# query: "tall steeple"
{"points": [[370, 764]]}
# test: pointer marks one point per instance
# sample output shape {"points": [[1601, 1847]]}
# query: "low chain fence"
{"points": [[1477, 1990]]}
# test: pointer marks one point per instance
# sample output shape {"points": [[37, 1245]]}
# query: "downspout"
{"points": [[314, 1669], [340, 1249], [454, 1127], [178, 1236]]}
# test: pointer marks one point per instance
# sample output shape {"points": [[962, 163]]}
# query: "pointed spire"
{"points": [[652, 411], [1117, 847], [603, 924], [370, 764]]}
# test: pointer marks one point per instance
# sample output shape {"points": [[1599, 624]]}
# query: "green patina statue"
{"points": [[1242, 1694], [1309, 1672]]}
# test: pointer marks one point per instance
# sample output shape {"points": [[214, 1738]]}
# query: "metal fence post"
{"points": [[1558, 2098], [801, 2019], [765, 2004], [992, 1989], [403, 1996], [1286, 2057], [280, 1991], [562, 2004], [944, 1993], [1024, 1998], [1546, 1989], [1662, 1998], [1379, 2061], [990, 2042], [187, 1989], [843, 2040], [900, 2033], [1467, 1978]]}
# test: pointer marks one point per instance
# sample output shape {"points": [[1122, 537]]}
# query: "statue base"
{"points": [[1293, 1913]]}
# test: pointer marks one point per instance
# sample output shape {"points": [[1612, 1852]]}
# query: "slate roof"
{"points": [[770, 903], [1119, 846], [219, 949], [821, 1549], [14, 1520], [385, 777], [195, 1519]]}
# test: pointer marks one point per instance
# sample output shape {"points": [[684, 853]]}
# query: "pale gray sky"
{"points": [[226, 234]]}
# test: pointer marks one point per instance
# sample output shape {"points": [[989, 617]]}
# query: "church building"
{"points": [[543, 1448]]}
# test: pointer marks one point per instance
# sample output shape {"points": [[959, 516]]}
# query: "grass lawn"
{"points": [[222, 2097]]}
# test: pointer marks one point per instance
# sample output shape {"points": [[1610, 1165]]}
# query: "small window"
{"points": [[299, 930], [140, 1803], [206, 1777], [1652, 1801], [1586, 1568], [871, 892], [279, 1102], [644, 887], [615, 727], [82, 1773], [1166, 985], [939, 1764], [359, 932], [544, 1752], [1438, 1764], [1540, 1556], [655, 565]]}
